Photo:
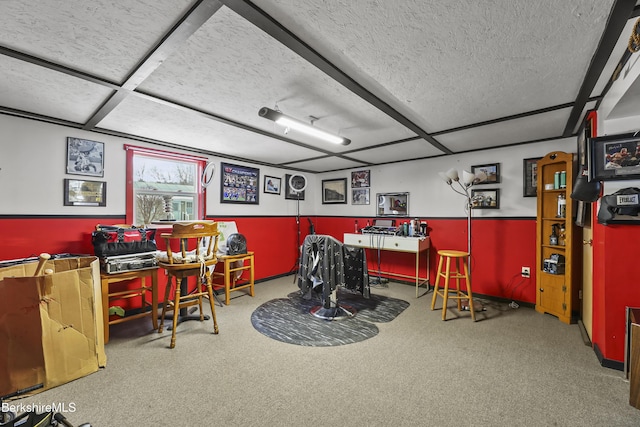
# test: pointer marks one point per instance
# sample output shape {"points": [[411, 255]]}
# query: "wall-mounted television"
{"points": [[614, 157], [392, 204]]}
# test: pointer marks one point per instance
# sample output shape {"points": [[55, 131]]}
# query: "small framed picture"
{"points": [[272, 184], [360, 179], [85, 157], [360, 196], [334, 191], [492, 171], [79, 192], [530, 177], [294, 186], [485, 199]]}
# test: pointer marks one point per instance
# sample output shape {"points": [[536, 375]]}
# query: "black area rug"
{"points": [[288, 319]]}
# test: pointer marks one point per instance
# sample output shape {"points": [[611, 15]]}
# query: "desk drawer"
{"points": [[389, 243], [401, 244]]}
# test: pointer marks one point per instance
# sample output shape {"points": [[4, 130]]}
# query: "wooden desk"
{"points": [[107, 279], [414, 245]]}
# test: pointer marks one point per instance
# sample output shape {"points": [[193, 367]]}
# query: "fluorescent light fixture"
{"points": [[290, 122]]}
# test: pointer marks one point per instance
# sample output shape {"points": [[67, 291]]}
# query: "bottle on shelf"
{"points": [[553, 239], [356, 226], [562, 206]]}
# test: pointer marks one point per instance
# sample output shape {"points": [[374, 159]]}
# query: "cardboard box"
{"points": [[51, 327]]}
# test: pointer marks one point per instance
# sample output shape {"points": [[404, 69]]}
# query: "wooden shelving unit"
{"points": [[557, 294]]}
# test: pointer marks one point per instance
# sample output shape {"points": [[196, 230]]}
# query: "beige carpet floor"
{"points": [[513, 367]]}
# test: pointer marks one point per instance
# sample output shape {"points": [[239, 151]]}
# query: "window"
{"points": [[163, 186]]}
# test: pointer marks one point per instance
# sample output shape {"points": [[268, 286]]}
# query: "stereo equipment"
{"points": [[130, 262]]}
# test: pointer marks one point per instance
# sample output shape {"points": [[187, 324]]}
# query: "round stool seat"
{"points": [[452, 253]]}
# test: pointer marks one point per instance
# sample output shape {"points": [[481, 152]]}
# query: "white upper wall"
{"points": [[33, 160], [430, 196]]}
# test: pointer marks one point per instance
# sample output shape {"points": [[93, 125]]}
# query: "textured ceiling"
{"points": [[403, 80]]}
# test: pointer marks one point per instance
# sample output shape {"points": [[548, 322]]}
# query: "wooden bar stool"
{"points": [[459, 257]]}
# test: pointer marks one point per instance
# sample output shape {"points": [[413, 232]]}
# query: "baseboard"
{"points": [[583, 332], [607, 363]]}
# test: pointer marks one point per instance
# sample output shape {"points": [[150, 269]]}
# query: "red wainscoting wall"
{"points": [[273, 239], [500, 248], [616, 285]]}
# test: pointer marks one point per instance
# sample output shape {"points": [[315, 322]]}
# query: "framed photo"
{"points": [[295, 192], [360, 179], [530, 177], [79, 192], [360, 196], [614, 157], [334, 190], [272, 184], [85, 157], [491, 170], [239, 184], [485, 199]]}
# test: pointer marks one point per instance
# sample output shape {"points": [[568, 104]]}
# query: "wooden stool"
{"points": [[107, 295], [231, 281], [459, 257]]}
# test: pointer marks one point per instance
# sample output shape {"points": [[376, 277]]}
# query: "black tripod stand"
{"points": [[297, 184], [296, 266]]}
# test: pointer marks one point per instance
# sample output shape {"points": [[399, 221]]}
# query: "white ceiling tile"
{"points": [[325, 164], [39, 90], [105, 38], [394, 152], [538, 127]]}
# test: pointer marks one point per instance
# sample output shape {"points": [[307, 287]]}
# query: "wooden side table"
{"points": [[233, 264], [107, 296]]}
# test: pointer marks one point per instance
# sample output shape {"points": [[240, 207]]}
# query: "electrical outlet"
{"points": [[526, 272]]}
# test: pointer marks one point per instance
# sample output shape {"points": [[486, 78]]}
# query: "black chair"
{"points": [[326, 264]]}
